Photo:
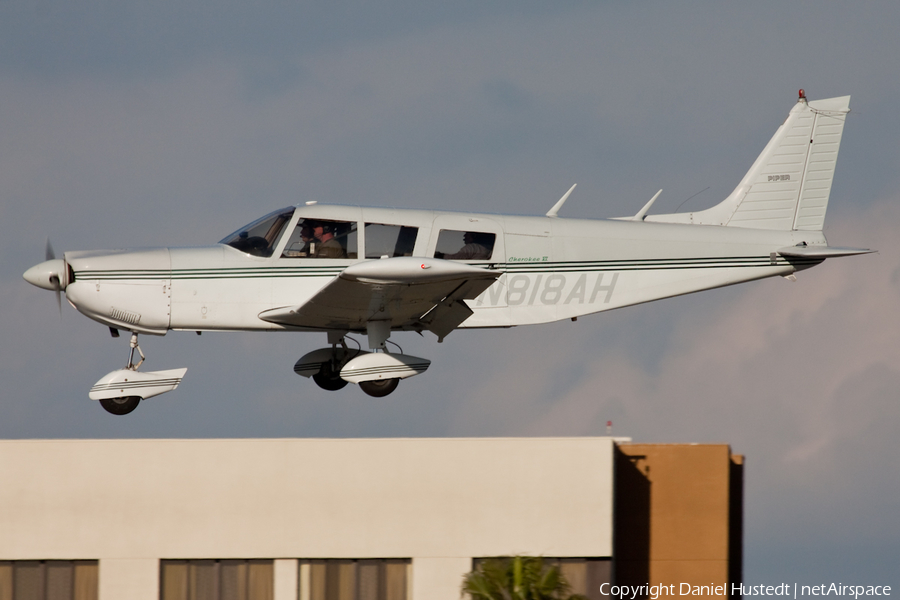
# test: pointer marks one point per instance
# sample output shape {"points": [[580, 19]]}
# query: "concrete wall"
{"points": [[440, 502]]}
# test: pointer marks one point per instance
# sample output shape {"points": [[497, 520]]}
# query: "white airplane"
{"points": [[374, 271]]}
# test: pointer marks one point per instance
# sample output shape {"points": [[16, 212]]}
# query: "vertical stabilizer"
{"points": [[788, 186]]}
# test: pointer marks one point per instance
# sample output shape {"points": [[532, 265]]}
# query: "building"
{"points": [[344, 519], [679, 514]]}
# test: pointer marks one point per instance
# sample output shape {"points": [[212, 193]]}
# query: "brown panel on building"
{"points": [[6, 580], [678, 515], [736, 523]]}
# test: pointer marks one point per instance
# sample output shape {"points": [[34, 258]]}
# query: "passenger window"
{"points": [[389, 240], [321, 238], [464, 245]]}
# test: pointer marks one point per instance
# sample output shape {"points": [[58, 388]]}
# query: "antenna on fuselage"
{"points": [[643, 212], [552, 212]]}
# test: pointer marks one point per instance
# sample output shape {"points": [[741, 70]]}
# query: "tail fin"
{"points": [[788, 186]]}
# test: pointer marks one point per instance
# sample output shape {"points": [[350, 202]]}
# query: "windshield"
{"points": [[260, 237]]}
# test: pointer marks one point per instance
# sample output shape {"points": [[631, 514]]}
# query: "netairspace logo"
{"points": [[788, 590]]}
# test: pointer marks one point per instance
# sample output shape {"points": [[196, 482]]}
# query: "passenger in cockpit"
{"points": [[477, 246]]}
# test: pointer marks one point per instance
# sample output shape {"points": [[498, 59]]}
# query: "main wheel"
{"points": [[121, 406], [379, 387], [328, 379]]}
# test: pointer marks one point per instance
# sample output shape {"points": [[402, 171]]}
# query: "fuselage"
{"points": [[552, 268]]}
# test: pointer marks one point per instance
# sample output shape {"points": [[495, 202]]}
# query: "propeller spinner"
{"points": [[52, 274]]}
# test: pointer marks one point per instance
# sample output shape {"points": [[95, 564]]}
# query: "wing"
{"points": [[411, 293]]}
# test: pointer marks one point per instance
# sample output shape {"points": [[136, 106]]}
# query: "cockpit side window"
{"points": [[321, 238], [260, 237], [464, 245], [389, 240]]}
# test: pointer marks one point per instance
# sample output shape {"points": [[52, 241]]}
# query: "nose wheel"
{"points": [[122, 405]]}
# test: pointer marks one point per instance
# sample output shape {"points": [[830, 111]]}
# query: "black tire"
{"points": [[329, 379], [379, 387], [121, 406]]}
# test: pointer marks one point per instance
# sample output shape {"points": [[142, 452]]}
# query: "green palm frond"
{"points": [[517, 578]]}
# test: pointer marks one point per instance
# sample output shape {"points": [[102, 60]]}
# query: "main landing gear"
{"points": [[121, 391], [377, 372], [379, 388], [329, 378]]}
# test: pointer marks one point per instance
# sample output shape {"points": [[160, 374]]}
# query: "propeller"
{"points": [[49, 254]]}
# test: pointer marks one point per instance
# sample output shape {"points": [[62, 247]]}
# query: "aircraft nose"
{"points": [[49, 275]]}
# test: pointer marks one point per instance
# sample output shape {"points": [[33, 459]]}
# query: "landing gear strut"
{"points": [[134, 346]]}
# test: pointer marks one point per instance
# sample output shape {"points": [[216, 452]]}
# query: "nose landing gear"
{"points": [[121, 391]]}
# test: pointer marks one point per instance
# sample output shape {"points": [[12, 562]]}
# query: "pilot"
{"points": [[477, 247], [326, 246], [307, 237], [298, 245], [255, 245]]}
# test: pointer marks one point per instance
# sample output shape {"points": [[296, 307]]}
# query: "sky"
{"points": [[163, 123]]}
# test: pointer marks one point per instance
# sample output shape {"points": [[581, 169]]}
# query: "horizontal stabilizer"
{"points": [[821, 251]]}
